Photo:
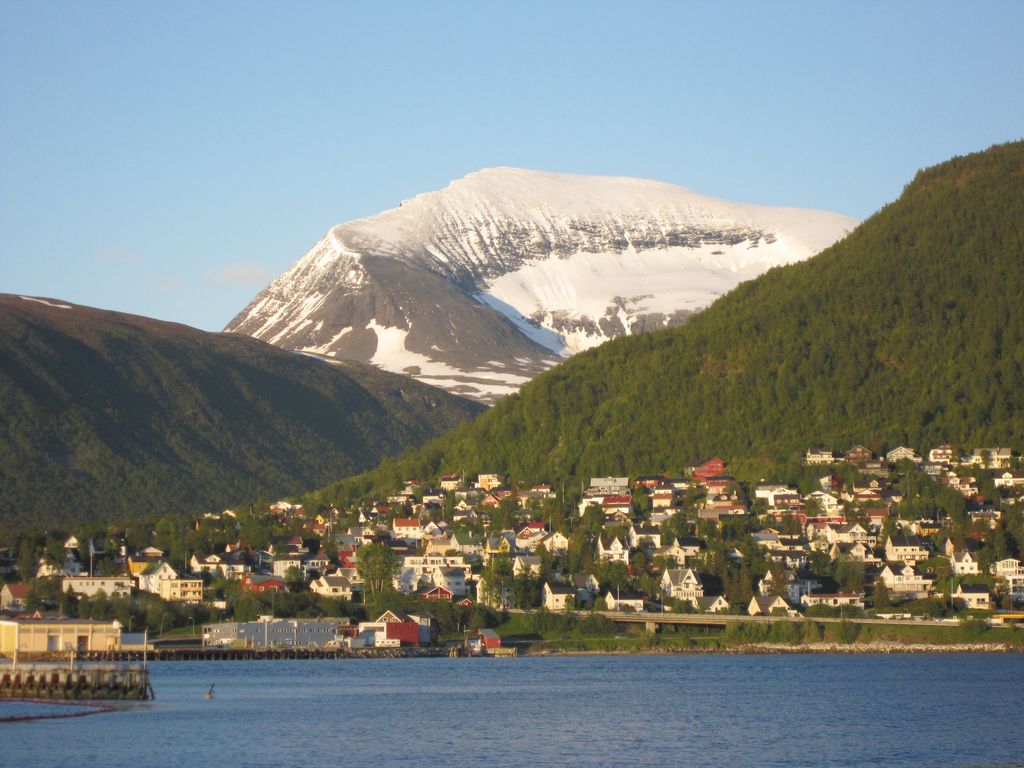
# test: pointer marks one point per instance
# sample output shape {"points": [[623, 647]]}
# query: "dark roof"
{"points": [[974, 589], [560, 589]]}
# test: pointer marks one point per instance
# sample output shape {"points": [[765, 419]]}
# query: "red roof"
{"points": [[407, 522], [19, 589], [611, 500]]}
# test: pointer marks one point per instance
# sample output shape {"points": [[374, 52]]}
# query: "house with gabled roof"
{"points": [[501, 544], [902, 453], [14, 596], [335, 585], [229, 565], [434, 592], [263, 583], [467, 543], [638, 533], [624, 600], [906, 548], [555, 542], [408, 528], [558, 597], [964, 562], [148, 580], [858, 551], [619, 508], [858, 455], [390, 630], [530, 535], [766, 605], [902, 580], [682, 584], [676, 553], [713, 603], [612, 549], [972, 597], [528, 564]]}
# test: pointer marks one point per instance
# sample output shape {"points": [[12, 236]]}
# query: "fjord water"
{"points": [[790, 710]]}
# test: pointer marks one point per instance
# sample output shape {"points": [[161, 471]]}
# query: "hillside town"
{"points": [[895, 534]]}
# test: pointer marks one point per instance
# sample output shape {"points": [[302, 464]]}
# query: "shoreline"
{"points": [[541, 649], [775, 649]]}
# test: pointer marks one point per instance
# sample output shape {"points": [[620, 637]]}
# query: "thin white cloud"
{"points": [[244, 275]]}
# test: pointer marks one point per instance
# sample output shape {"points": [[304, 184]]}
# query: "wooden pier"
{"points": [[83, 682]]}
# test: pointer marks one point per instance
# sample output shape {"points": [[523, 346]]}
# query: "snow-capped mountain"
{"points": [[478, 287]]}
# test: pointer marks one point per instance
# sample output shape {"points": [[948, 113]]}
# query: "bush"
{"points": [[974, 627], [843, 632], [595, 624]]}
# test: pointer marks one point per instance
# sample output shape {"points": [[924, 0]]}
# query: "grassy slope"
{"points": [[103, 414]]}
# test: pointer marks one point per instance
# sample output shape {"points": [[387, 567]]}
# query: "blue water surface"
{"points": [[789, 710]]}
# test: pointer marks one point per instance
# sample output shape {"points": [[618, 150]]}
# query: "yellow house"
{"points": [[182, 590], [58, 635]]}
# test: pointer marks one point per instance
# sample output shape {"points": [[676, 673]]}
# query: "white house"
{"points": [[834, 600], [614, 550], [902, 454], [155, 572], [335, 585], [903, 548], [903, 581], [111, 586], [621, 600], [964, 563], [682, 584], [558, 597], [973, 597], [529, 564], [766, 605]]}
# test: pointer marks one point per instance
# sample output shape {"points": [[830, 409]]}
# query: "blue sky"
{"points": [[169, 159]]}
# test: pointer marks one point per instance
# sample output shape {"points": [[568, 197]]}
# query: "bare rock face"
{"points": [[481, 286]]}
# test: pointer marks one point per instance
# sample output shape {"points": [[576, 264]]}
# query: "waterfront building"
{"points": [[56, 635], [269, 632]]}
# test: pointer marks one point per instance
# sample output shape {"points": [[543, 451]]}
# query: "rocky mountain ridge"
{"points": [[480, 286]]}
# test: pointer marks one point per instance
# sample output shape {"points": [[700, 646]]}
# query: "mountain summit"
{"points": [[479, 287]]}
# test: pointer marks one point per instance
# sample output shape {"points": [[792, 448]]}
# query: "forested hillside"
{"points": [[911, 330], [107, 415]]}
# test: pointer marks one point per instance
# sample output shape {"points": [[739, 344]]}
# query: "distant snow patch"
{"points": [[47, 303]]}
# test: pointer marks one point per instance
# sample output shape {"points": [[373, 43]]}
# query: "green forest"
{"points": [[105, 415], [909, 331]]}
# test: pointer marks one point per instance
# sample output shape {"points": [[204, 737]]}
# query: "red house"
{"points": [[435, 593], [719, 483], [257, 583], [709, 468], [400, 628], [489, 639]]}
